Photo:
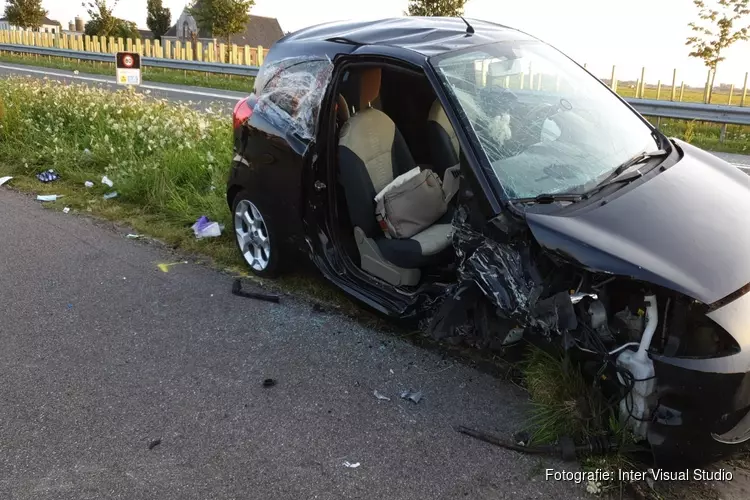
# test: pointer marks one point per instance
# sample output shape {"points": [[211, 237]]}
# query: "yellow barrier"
{"points": [[190, 51]]}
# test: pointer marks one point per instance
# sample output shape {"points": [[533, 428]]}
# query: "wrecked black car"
{"points": [[470, 175]]}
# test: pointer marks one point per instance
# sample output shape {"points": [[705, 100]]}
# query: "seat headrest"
{"points": [[342, 109], [369, 86]]}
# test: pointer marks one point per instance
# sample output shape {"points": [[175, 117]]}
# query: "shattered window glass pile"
{"points": [[545, 126]]}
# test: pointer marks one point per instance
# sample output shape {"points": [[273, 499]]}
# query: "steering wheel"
{"points": [[533, 122]]}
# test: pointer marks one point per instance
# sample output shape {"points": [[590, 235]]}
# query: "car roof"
{"points": [[428, 36]]}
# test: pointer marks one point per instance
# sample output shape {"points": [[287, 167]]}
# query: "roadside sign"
{"points": [[128, 68]]}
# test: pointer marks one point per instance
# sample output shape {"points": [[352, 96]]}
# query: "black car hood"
{"points": [[686, 229]]}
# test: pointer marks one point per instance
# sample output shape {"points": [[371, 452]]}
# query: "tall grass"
{"points": [[164, 157]]}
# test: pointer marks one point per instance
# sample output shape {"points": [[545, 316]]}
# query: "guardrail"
{"points": [[692, 111], [154, 62]]}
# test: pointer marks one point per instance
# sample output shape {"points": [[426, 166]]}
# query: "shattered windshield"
{"points": [[545, 125]]}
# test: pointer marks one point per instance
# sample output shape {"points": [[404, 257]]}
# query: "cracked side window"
{"points": [[293, 89]]}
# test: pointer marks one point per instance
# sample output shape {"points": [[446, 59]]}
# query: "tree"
{"points": [[104, 23], [25, 13], [716, 32], [221, 18], [158, 19], [436, 8]]}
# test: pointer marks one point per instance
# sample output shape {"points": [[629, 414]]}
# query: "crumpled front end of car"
{"points": [[674, 368]]}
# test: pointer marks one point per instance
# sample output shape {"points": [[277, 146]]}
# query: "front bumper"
{"points": [[697, 411], [703, 404]]}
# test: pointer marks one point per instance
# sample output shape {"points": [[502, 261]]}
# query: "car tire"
{"points": [[256, 235]]}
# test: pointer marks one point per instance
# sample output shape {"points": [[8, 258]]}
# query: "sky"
{"points": [[599, 33]]}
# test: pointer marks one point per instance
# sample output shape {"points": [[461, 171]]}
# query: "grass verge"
{"points": [[162, 75]]}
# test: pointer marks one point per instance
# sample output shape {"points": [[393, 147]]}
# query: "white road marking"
{"points": [[147, 86]]}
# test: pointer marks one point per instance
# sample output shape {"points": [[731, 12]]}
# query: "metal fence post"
{"points": [[613, 80], [674, 84], [658, 90], [643, 83], [731, 94], [707, 91], [744, 92]]}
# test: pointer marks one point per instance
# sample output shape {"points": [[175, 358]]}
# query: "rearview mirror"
{"points": [[505, 67]]}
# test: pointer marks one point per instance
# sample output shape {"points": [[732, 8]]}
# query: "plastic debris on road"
{"points": [[380, 397], [106, 180], [88, 184], [269, 382], [66, 210], [48, 176], [133, 236], [412, 395], [165, 267], [204, 228], [3, 180], [351, 465], [237, 290], [154, 443], [111, 195], [48, 197]]}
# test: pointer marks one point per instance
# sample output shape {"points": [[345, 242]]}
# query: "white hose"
{"points": [[652, 318], [624, 346]]}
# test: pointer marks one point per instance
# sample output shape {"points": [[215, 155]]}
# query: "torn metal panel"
{"points": [[294, 88], [500, 270]]}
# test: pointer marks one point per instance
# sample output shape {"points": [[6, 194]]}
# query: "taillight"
{"points": [[242, 112]]}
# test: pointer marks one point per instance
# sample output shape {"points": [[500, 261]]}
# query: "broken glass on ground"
{"points": [[380, 396], [412, 395]]}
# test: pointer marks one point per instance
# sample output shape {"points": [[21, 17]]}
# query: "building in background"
{"points": [[259, 31], [48, 26]]}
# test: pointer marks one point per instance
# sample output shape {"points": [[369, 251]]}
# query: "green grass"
{"points": [[177, 77], [690, 95], [564, 403], [707, 135]]}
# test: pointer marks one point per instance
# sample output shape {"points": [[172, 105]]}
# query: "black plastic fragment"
{"points": [[237, 290], [154, 443], [269, 382]]}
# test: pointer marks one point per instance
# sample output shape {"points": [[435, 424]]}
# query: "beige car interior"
{"points": [[372, 153]]}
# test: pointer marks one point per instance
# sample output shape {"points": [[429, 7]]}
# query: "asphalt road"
{"points": [[198, 97], [102, 353]]}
